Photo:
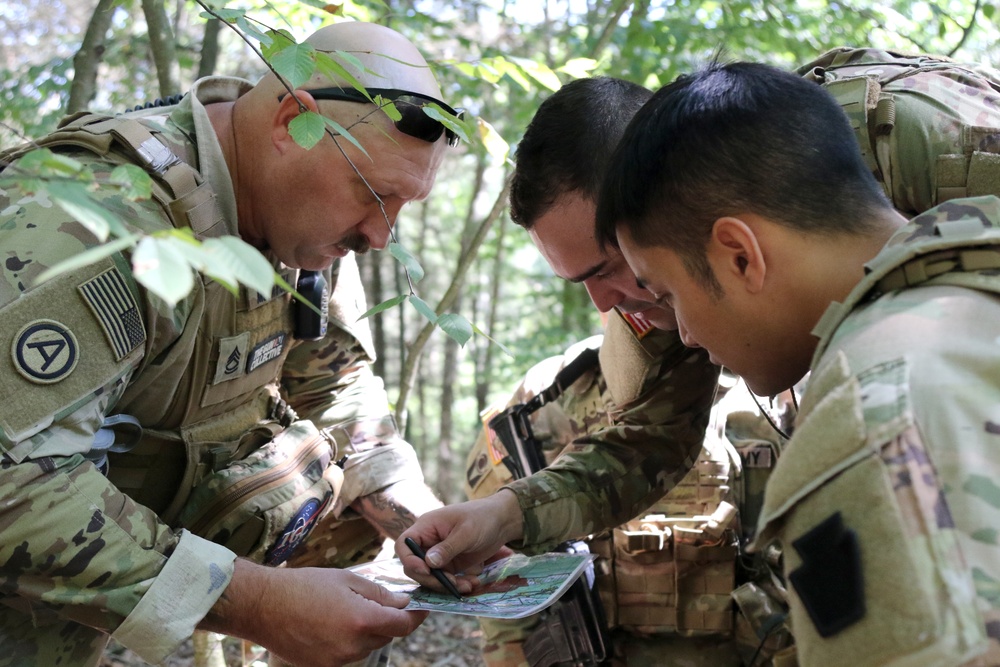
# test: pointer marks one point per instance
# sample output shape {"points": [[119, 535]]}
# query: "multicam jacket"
{"points": [[886, 497], [663, 398], [198, 376]]}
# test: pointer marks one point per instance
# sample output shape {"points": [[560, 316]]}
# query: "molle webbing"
{"points": [[189, 200]]}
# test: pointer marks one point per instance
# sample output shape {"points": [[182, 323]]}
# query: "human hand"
{"points": [[311, 617], [461, 538]]}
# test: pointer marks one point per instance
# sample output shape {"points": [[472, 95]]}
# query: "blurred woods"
{"points": [[497, 59]]}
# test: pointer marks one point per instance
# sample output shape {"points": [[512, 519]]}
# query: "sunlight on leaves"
{"points": [[162, 269], [495, 145], [578, 68], [90, 256], [295, 63]]}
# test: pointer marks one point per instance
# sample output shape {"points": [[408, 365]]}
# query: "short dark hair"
{"points": [[736, 138], [569, 142]]}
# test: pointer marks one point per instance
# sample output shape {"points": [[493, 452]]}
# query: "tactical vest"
{"points": [[212, 397], [928, 127], [670, 571], [959, 251]]}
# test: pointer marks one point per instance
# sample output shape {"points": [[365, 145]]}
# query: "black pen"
{"points": [[437, 572]]}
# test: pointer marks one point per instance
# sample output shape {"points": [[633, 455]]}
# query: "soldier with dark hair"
{"points": [[158, 457], [888, 98], [735, 201]]}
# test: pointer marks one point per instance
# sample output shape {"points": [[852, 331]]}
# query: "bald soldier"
{"points": [[131, 430]]}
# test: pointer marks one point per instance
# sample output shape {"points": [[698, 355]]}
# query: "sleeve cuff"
{"points": [[376, 469], [181, 595]]}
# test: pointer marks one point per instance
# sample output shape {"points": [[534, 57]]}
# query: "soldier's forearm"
{"points": [[394, 508]]}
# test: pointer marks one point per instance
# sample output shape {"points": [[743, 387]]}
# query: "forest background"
{"points": [[496, 58]]}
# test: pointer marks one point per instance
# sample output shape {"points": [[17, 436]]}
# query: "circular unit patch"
{"points": [[45, 351]]}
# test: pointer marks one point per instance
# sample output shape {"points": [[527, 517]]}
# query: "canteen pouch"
{"points": [[264, 505]]}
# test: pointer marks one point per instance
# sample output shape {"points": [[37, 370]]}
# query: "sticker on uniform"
{"points": [[232, 352], [45, 351], [116, 311], [493, 445], [477, 470], [295, 531], [640, 325], [756, 456], [267, 351]]}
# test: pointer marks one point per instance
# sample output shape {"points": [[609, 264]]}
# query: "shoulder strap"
{"points": [[184, 194]]}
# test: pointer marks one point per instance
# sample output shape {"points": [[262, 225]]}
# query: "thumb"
{"points": [[381, 594]]}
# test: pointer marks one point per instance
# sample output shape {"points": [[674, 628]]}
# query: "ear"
{"points": [[734, 252], [289, 110]]}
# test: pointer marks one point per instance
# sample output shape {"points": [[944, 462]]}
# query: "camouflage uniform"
{"points": [[886, 498], [667, 576], [81, 558]]}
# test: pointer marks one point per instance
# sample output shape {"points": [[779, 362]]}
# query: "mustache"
{"points": [[355, 242]]}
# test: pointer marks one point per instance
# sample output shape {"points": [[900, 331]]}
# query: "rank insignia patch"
{"points": [[112, 303], [45, 351], [639, 324]]}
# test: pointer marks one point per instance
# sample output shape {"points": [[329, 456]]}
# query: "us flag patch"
{"points": [[115, 309]]}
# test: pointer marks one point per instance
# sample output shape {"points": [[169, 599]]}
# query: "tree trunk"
{"points": [[484, 375], [87, 59], [161, 43], [449, 374], [210, 48]]}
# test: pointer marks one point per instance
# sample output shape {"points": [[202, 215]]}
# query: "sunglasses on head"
{"points": [[413, 122]]}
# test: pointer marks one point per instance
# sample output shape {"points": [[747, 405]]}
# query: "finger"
{"points": [[379, 594]]}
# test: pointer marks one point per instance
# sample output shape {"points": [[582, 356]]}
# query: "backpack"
{"points": [[928, 127]]}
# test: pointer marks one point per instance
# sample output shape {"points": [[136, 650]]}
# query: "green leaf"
{"points": [[250, 29], [423, 308], [295, 63], [579, 68], [353, 60], [279, 39], [89, 256], [158, 265], [540, 73], [409, 262], [988, 11], [388, 107], [135, 181], [448, 120], [329, 66], [78, 202], [456, 326], [497, 343], [385, 305], [46, 163], [495, 145], [342, 131], [307, 129], [228, 15]]}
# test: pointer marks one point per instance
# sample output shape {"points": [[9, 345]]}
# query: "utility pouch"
{"points": [[264, 505]]}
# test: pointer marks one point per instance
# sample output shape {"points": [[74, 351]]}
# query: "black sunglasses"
{"points": [[413, 122]]}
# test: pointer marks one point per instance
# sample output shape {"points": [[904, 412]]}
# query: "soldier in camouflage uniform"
{"points": [[666, 578], [923, 149], [735, 198], [98, 541]]}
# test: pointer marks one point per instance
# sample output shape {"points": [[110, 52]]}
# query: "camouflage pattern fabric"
{"points": [[646, 588], [893, 462], [81, 559], [613, 474], [928, 127]]}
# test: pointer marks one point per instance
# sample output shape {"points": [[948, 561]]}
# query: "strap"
{"points": [[583, 362]]}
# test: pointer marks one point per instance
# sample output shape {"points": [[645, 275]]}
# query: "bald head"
{"points": [[388, 58]]}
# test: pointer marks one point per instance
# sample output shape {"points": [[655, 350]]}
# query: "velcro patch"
{"points": [[296, 531], [640, 325], [45, 351], [116, 311], [232, 353], [266, 351]]}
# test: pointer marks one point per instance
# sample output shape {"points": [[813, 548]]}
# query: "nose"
{"points": [[605, 298], [375, 228], [685, 335]]}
